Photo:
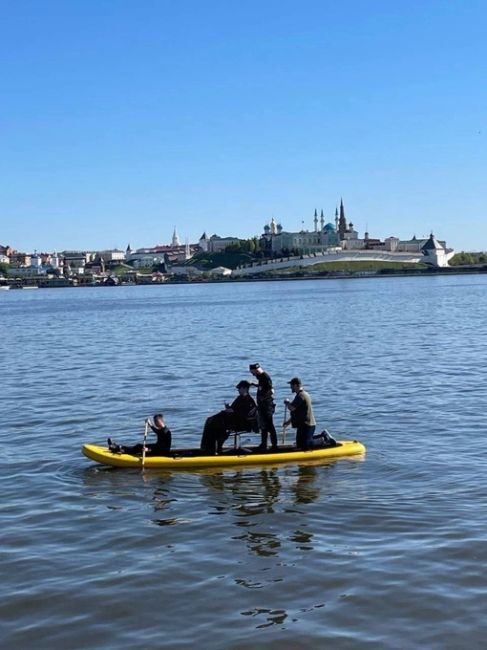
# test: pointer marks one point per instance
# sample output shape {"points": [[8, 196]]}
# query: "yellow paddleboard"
{"points": [[193, 459]]}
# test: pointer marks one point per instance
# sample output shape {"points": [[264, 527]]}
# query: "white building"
{"points": [[218, 244], [35, 261], [204, 242], [146, 260], [435, 253], [55, 261], [112, 255], [279, 241]]}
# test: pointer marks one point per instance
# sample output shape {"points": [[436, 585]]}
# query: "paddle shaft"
{"points": [[284, 425], [146, 429]]}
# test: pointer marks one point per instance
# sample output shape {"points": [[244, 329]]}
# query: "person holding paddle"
{"points": [[302, 417], [160, 448]]}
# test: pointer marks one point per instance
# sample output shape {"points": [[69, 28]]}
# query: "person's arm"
{"points": [[266, 384], [292, 406]]}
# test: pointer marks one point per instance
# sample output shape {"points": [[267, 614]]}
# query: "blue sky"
{"points": [[121, 119]]}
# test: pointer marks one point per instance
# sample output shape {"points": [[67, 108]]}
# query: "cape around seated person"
{"points": [[160, 448], [240, 415]]}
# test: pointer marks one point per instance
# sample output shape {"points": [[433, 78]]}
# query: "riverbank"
{"points": [[271, 276]]}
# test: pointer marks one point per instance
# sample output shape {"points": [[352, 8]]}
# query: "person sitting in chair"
{"points": [[160, 448], [240, 415]]}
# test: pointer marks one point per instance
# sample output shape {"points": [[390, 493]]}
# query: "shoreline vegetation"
{"points": [[119, 276]]}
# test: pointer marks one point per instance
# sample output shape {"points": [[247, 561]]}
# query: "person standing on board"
{"points": [[302, 417], [265, 406]]}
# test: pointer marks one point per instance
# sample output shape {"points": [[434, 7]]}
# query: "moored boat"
{"points": [[194, 458]]}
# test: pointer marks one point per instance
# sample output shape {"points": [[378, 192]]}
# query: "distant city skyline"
{"points": [[120, 121], [306, 225]]}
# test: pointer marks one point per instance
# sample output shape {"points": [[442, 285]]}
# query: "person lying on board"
{"points": [[160, 448], [240, 415]]}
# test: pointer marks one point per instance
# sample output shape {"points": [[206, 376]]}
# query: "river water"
{"points": [[386, 551]]}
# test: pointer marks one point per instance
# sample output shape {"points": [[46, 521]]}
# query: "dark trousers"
{"points": [[214, 433], [266, 423], [304, 437], [152, 449]]}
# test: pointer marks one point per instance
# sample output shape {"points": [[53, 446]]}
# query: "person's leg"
{"points": [[206, 436], [222, 436], [300, 438], [304, 437], [263, 427], [266, 412], [134, 450], [272, 430], [309, 437], [210, 434]]}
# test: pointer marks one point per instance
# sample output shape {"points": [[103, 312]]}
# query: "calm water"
{"points": [[386, 551]]}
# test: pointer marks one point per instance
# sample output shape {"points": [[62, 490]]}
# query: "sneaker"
{"points": [[115, 449]]}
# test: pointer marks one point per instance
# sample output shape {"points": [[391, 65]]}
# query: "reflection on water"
{"points": [[252, 495], [361, 553], [271, 616], [263, 544], [305, 490]]}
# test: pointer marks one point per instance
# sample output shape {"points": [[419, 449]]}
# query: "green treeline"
{"points": [[468, 258]]}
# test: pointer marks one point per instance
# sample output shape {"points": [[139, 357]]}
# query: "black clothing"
{"points": [[241, 416], [244, 413], [160, 448], [264, 390], [266, 406], [214, 432], [164, 439], [266, 423]]}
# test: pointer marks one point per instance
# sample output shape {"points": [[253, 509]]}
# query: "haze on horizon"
{"points": [[122, 120]]}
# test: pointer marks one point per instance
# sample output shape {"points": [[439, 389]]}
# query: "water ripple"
{"points": [[381, 551]]}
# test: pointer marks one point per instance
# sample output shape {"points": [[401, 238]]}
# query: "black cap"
{"points": [[295, 380], [254, 366], [243, 384]]}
